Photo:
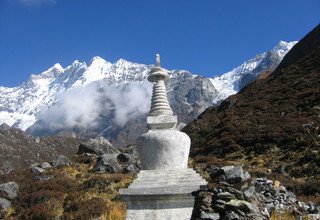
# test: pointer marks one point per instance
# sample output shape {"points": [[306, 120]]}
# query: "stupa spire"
{"points": [[159, 101], [160, 115]]}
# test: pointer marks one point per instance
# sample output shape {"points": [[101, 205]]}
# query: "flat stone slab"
{"points": [[164, 182]]}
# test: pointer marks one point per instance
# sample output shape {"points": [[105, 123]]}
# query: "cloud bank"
{"points": [[86, 107]]}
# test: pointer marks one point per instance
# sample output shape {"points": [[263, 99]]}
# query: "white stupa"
{"points": [[163, 187]]}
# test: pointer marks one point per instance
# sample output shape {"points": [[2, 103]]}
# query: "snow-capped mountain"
{"points": [[231, 82], [101, 97], [20, 106]]}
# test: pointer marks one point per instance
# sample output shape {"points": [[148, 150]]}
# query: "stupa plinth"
{"points": [[163, 187]]}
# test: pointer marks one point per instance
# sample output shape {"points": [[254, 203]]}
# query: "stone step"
{"points": [[166, 179], [192, 179], [168, 184], [169, 171], [157, 191], [167, 174], [152, 177], [157, 178]]}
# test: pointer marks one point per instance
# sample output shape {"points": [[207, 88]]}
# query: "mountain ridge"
{"points": [[271, 126], [25, 105]]}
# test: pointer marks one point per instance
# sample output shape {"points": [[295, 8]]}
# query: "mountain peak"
{"points": [[98, 59], [57, 66], [121, 61], [76, 62], [99, 62], [4, 127], [285, 46]]}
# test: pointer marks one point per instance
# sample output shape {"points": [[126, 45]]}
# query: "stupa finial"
{"points": [[157, 60]]}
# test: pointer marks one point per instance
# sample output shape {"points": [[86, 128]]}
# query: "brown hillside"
{"points": [[19, 150], [272, 125]]}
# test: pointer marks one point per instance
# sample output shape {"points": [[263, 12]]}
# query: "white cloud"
{"points": [[85, 107]]}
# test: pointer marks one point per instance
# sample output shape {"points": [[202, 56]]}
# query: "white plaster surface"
{"points": [[162, 121], [160, 214], [162, 194], [163, 149]]}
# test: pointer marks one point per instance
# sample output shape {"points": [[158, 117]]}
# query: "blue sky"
{"points": [[206, 37]]}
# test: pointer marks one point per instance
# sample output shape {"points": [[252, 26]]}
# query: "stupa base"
{"points": [[162, 194]]}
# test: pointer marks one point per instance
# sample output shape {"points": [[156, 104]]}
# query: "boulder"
{"points": [[248, 193], [61, 161], [37, 170], [107, 163], [11, 189], [209, 215], [225, 196], [98, 146], [242, 205], [232, 215], [235, 174], [4, 205], [45, 165]]}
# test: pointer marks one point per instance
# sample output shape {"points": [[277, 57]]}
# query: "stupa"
{"points": [[162, 189]]}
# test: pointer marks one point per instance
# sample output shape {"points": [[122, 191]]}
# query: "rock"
{"points": [[45, 165], [131, 169], [262, 197], [98, 146], [269, 182], [311, 207], [4, 205], [248, 193], [124, 157], [37, 170], [225, 196], [291, 197], [242, 205], [314, 216], [61, 161], [216, 174], [43, 178], [132, 150], [238, 194], [235, 174], [34, 165], [107, 163], [206, 198], [232, 215], [11, 188], [209, 215], [281, 169]]}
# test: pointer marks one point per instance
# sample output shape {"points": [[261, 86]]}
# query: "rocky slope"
{"points": [[233, 194], [85, 100], [82, 187], [19, 150], [272, 125]]}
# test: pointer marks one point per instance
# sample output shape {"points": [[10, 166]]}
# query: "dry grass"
{"points": [[74, 192], [285, 216]]}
